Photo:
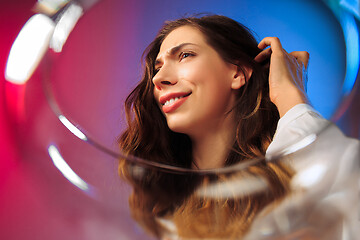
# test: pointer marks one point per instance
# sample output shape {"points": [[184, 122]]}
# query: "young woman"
{"points": [[210, 97]]}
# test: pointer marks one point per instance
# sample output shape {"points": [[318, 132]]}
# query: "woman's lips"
{"points": [[174, 105], [170, 102]]}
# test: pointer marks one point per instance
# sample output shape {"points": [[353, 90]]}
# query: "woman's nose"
{"points": [[164, 77]]}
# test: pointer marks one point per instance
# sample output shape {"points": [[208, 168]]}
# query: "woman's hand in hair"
{"points": [[287, 76]]}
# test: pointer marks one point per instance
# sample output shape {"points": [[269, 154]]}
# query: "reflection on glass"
{"points": [[352, 52], [50, 6], [66, 170], [72, 128], [64, 26], [346, 11], [28, 48]]}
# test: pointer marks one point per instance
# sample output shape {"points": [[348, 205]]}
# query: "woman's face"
{"points": [[194, 86]]}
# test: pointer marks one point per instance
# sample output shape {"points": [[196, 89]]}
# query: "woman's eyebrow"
{"points": [[172, 51]]}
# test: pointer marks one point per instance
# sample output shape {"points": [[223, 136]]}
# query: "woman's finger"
{"points": [[301, 57], [273, 42]]}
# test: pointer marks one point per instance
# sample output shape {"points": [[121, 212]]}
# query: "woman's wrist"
{"points": [[287, 100]]}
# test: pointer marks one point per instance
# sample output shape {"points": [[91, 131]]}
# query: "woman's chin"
{"points": [[177, 122], [178, 128]]}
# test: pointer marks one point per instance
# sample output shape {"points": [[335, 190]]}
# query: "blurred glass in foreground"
{"points": [[318, 199], [72, 118]]}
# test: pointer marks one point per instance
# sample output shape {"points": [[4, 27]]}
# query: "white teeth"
{"points": [[171, 101]]}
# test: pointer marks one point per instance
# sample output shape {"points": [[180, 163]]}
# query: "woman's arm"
{"points": [[287, 84], [338, 185]]}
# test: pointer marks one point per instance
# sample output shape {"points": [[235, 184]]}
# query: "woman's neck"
{"points": [[211, 148]]}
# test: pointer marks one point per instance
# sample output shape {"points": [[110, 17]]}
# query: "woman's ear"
{"points": [[242, 75]]}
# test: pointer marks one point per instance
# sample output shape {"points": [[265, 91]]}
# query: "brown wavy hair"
{"points": [[158, 194]]}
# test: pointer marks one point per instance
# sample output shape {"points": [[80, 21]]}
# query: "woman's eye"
{"points": [[185, 55]]}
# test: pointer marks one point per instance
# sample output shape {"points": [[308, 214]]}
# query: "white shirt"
{"points": [[326, 182]]}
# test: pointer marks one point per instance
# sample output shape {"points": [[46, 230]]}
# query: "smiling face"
{"points": [[194, 86]]}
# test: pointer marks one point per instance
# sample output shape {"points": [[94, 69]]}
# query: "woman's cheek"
{"points": [[186, 73]]}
